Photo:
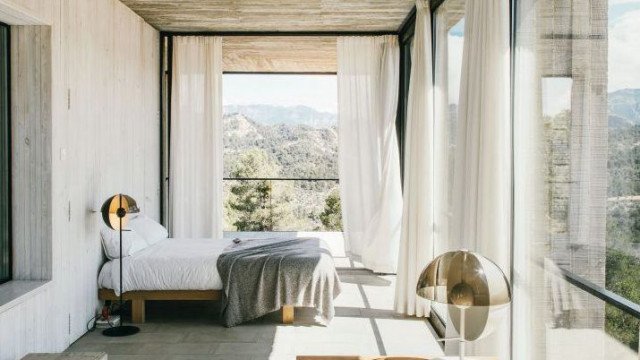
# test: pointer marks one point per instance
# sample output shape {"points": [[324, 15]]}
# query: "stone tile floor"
{"points": [[365, 324]]}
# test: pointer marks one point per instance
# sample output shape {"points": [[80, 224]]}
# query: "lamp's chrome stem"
{"points": [[449, 339]]}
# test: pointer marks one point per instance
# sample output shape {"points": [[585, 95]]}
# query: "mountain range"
{"points": [[624, 108], [298, 149]]}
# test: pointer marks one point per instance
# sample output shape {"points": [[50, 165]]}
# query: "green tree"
{"points": [[623, 272], [331, 217], [254, 205]]}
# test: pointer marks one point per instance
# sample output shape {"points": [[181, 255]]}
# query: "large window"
{"points": [[5, 173], [577, 179], [281, 153]]}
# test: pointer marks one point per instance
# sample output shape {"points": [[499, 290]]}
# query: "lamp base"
{"points": [[118, 331]]}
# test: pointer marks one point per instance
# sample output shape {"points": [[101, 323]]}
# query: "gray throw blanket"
{"points": [[260, 276]]}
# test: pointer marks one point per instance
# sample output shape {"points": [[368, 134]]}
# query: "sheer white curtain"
{"points": [[481, 199], [530, 218], [370, 189], [416, 242], [195, 174]]}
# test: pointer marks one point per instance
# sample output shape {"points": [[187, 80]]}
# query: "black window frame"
{"points": [[6, 249], [166, 67]]}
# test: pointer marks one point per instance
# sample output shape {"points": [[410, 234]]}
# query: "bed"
{"points": [[188, 269], [171, 269]]}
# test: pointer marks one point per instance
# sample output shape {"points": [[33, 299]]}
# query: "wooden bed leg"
{"points": [[287, 314], [137, 311]]}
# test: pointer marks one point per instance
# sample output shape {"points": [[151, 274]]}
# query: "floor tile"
{"points": [[365, 324]]}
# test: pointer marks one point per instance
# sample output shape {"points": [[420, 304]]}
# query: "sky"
{"points": [[455, 40], [624, 44], [316, 91], [556, 95]]}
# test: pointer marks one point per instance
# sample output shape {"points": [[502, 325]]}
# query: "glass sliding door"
{"points": [[577, 179], [5, 153]]}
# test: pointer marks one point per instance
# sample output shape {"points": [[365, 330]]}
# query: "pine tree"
{"points": [[331, 217], [255, 204]]}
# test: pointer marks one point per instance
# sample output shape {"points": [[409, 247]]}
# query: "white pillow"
{"points": [[150, 230], [132, 242]]}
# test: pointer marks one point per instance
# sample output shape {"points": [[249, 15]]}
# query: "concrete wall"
{"points": [[99, 136]]}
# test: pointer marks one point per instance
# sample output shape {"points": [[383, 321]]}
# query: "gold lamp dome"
{"points": [[469, 283], [115, 210]]}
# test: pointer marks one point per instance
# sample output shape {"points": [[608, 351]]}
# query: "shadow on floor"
{"points": [[365, 324]]}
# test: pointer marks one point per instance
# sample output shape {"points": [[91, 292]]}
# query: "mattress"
{"points": [[171, 264]]}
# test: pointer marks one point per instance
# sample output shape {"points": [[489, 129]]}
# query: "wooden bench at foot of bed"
{"points": [[138, 298]]}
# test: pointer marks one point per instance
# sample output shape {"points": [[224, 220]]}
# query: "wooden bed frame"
{"points": [[139, 297]]}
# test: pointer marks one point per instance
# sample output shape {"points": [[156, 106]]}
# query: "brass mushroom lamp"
{"points": [[115, 213], [470, 284]]}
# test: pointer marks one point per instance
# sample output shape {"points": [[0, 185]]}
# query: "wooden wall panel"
{"points": [[273, 15], [104, 139], [31, 152], [279, 54]]}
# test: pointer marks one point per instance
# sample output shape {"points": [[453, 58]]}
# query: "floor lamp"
{"points": [[470, 284], [115, 213]]}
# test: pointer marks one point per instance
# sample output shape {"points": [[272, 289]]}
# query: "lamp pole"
{"points": [[120, 207], [121, 214]]}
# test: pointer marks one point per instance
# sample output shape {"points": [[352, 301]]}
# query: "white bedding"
{"points": [[171, 264]]}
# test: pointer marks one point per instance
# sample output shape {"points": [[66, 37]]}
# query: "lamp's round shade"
{"points": [[465, 280], [115, 210]]}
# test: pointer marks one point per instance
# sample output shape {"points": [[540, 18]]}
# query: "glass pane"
{"points": [[279, 132], [5, 248], [449, 22], [577, 177], [623, 163], [567, 338]]}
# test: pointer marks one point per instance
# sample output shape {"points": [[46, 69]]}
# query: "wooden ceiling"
{"points": [[279, 54], [273, 15]]}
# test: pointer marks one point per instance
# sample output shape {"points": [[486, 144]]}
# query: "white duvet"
{"points": [[171, 264]]}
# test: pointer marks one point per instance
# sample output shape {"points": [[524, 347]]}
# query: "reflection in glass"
{"points": [[576, 177]]}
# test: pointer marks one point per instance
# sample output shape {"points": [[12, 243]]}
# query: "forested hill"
{"points": [[299, 150]]}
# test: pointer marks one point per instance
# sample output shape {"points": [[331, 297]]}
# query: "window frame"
{"points": [[166, 68], [5, 163]]}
